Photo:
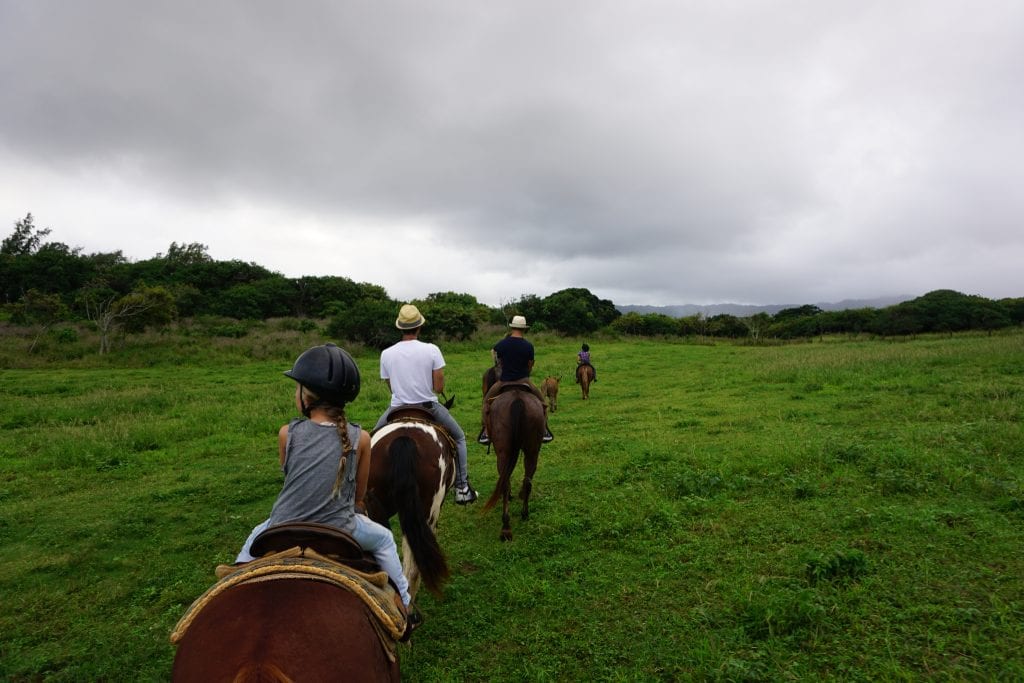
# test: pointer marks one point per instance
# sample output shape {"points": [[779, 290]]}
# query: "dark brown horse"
{"points": [[585, 375], [284, 630], [412, 468], [515, 424], [491, 376]]}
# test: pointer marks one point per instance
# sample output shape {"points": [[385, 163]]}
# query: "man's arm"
{"points": [[438, 376]]}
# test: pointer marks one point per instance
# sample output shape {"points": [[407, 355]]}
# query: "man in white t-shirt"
{"points": [[414, 372]]}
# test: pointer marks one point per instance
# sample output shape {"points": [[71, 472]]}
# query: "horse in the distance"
{"points": [[491, 375], [549, 389], [294, 615], [585, 375], [412, 468], [515, 423]]}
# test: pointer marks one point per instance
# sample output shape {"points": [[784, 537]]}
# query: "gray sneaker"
{"points": [[466, 495]]}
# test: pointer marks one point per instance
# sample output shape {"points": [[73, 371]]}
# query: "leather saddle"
{"points": [[414, 412], [324, 539], [515, 385]]}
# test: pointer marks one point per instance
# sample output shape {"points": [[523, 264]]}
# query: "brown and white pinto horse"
{"points": [[585, 375], [285, 630], [515, 423], [412, 467]]}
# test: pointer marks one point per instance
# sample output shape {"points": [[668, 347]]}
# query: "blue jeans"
{"points": [[445, 419], [374, 538]]}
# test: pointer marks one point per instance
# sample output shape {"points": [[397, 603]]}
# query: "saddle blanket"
{"points": [[296, 563]]}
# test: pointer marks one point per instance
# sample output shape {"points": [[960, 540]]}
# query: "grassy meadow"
{"points": [[843, 509]]}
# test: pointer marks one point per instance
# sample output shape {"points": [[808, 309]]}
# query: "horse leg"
{"points": [[524, 495], [506, 522]]}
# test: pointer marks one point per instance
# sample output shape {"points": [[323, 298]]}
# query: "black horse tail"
{"points": [[425, 549], [516, 415]]}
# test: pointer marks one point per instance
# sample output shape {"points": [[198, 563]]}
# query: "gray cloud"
{"points": [[652, 152]]}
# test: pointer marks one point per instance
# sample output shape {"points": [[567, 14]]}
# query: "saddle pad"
{"points": [[373, 589]]}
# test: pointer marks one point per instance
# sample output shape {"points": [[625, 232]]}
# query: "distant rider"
{"points": [[516, 356]]}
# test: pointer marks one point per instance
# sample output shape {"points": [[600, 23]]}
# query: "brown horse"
{"points": [[284, 630], [515, 423], [549, 388], [491, 376], [585, 375], [412, 468]]}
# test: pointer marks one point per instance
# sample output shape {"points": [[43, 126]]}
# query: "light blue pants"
{"points": [[374, 538], [446, 420]]}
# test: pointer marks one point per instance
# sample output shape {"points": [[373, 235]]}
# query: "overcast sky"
{"points": [[652, 152]]}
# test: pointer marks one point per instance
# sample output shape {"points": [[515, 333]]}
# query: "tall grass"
{"points": [[842, 509]]}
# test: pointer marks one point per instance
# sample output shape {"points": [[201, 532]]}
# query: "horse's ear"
{"points": [[448, 403]]}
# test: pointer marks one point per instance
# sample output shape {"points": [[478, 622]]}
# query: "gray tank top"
{"points": [[310, 467]]}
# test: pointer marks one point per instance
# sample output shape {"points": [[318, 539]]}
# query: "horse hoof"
{"points": [[506, 535]]}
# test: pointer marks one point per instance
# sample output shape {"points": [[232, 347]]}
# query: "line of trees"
{"points": [[45, 282], [942, 310]]}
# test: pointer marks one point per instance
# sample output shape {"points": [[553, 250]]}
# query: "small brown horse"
{"points": [[585, 375], [549, 388], [284, 630], [411, 470], [515, 423]]}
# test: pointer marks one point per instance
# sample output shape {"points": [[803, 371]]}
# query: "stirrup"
{"points": [[413, 620], [465, 496]]}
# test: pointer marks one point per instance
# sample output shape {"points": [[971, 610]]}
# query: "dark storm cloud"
{"points": [[651, 151]]}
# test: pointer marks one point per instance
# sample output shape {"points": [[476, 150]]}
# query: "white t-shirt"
{"points": [[409, 366]]}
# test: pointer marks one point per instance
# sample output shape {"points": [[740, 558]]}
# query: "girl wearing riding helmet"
{"points": [[326, 461]]}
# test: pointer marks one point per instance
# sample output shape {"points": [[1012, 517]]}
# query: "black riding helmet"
{"points": [[329, 372]]}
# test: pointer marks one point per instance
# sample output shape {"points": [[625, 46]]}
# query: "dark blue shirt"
{"points": [[515, 354]]}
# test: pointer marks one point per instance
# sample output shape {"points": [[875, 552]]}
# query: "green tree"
{"points": [[316, 294], [696, 324], [757, 325], [271, 297], [26, 238], [111, 312], [577, 311], [26, 262], [725, 325], [369, 321], [646, 324], [452, 315], [186, 254], [39, 308], [1014, 309], [529, 306]]}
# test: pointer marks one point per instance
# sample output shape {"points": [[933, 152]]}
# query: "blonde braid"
{"points": [[337, 414]]}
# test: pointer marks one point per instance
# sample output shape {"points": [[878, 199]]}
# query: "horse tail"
{"points": [[517, 412], [421, 539]]}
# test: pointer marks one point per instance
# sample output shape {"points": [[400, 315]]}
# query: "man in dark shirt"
{"points": [[516, 356]]}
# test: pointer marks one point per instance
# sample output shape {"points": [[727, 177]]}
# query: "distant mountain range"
{"points": [[744, 310]]}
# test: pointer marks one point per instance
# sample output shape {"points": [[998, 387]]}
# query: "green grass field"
{"points": [[833, 510]]}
